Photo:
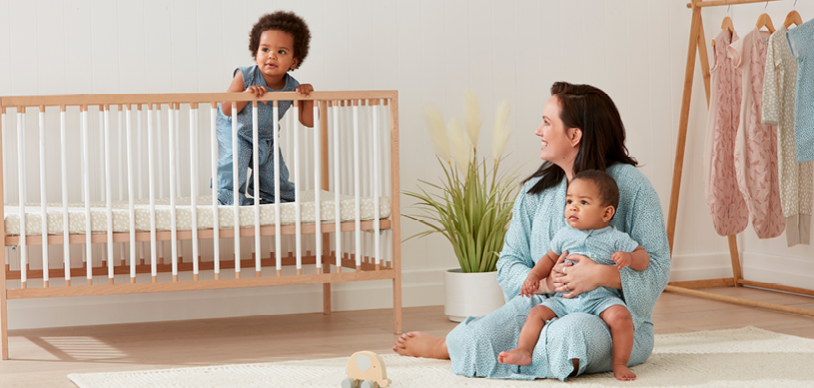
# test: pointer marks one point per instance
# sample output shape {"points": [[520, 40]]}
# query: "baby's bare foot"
{"points": [[623, 373], [419, 344], [515, 357]]}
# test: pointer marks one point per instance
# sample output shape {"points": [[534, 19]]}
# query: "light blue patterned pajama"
{"points": [[475, 343]]}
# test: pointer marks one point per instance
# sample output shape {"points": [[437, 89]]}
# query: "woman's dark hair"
{"points": [[285, 22], [603, 134]]}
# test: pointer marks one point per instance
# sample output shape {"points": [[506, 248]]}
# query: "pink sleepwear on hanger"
{"points": [[755, 142], [796, 179], [724, 199]]}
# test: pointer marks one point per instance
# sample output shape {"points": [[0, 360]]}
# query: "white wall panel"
{"points": [[51, 46], [184, 44], [5, 45], [158, 46], [105, 47], [24, 64], [78, 57]]}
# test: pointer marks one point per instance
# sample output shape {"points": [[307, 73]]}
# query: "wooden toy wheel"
{"points": [[369, 384], [349, 383]]}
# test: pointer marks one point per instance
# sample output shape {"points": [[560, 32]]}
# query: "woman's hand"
{"points": [[574, 279]]}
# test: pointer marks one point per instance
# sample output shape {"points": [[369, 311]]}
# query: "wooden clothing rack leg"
{"points": [[698, 42]]}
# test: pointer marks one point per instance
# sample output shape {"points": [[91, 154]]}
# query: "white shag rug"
{"points": [[747, 357]]}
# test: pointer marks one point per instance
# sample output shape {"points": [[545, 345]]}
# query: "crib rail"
{"points": [[91, 149]]}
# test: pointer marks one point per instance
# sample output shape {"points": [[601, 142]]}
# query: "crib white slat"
{"points": [[376, 185], [139, 167], [160, 159], [108, 193], [86, 168], [160, 148], [317, 188], [278, 254], [337, 187], [121, 173], [120, 149], [193, 182], [235, 191], [173, 124], [66, 248], [357, 187], [297, 200], [213, 117], [43, 199], [131, 191], [177, 134], [151, 191], [5, 153], [101, 174], [256, 193], [101, 153], [139, 153], [22, 193]]}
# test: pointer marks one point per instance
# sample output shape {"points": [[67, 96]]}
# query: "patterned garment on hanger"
{"points": [[801, 42], [755, 142], [725, 201], [796, 179]]}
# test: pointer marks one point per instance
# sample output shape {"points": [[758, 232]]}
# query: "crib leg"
{"points": [[326, 298], [3, 316]]}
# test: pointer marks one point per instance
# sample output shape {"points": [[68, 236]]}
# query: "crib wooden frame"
{"points": [[359, 269]]}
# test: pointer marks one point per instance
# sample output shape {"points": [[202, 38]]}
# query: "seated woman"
{"points": [[581, 130]]}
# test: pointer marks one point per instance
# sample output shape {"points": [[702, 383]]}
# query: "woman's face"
{"points": [[559, 144]]}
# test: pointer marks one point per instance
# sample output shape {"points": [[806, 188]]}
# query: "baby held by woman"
{"points": [[591, 201]]}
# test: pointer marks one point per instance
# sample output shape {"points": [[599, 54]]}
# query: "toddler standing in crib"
{"points": [[591, 201], [279, 43]]}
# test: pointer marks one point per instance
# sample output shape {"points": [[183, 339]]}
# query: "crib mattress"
{"points": [[183, 217]]}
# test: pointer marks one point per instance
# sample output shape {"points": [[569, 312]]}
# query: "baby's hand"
{"points": [[305, 89], [256, 90], [622, 259], [530, 285]]}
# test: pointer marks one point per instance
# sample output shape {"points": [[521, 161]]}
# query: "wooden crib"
{"points": [[104, 162]]}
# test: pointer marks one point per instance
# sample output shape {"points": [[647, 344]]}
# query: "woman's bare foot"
{"points": [[419, 344], [623, 373], [515, 357]]}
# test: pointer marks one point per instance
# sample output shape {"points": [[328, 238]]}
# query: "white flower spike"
{"points": [[501, 133], [472, 117], [459, 145], [438, 132]]}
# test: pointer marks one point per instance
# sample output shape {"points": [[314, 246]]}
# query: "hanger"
{"points": [[726, 24], [765, 21], [793, 18]]}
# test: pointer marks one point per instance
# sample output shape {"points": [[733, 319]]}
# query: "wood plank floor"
{"points": [[44, 357]]}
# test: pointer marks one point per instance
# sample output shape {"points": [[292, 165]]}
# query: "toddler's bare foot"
{"points": [[623, 373], [515, 357], [419, 344]]}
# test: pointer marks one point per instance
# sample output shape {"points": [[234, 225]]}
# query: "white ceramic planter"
{"points": [[471, 294]]}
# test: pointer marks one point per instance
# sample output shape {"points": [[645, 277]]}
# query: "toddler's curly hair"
{"points": [[286, 22]]}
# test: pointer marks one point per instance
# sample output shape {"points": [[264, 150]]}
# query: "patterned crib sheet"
{"points": [[226, 219]]}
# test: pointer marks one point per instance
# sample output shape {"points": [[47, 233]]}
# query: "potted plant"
{"points": [[471, 207]]}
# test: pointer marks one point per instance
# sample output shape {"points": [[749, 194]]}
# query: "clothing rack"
{"points": [[697, 41]]}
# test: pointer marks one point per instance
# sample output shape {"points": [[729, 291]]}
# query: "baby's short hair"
{"points": [[608, 189], [286, 22]]}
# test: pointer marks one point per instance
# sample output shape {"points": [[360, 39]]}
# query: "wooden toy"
{"points": [[366, 370]]}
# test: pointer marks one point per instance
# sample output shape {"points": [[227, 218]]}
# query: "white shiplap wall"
{"points": [[430, 51]]}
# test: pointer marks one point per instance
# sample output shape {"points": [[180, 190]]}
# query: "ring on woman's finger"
{"points": [[567, 288], [563, 269]]}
